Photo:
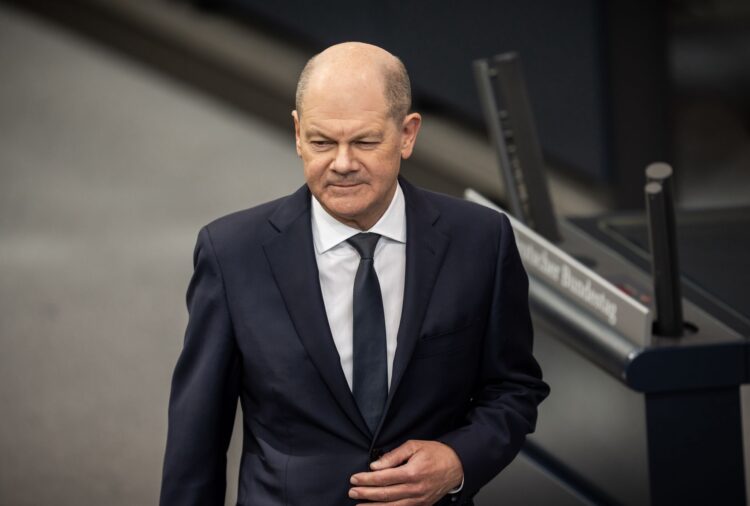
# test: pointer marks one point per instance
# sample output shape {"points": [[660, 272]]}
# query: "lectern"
{"points": [[645, 405]]}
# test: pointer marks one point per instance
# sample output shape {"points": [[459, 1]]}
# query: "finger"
{"points": [[402, 502], [384, 477], [384, 494], [397, 456]]}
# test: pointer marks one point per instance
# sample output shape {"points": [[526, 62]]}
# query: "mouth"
{"points": [[345, 185]]}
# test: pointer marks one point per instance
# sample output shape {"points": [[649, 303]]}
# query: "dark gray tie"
{"points": [[370, 376]]}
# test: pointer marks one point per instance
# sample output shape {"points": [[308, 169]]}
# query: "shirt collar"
{"points": [[329, 232]]}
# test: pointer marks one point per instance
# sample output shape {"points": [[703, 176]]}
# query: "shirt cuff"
{"points": [[457, 489]]}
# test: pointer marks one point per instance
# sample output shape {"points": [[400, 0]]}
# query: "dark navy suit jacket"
{"points": [[463, 371]]}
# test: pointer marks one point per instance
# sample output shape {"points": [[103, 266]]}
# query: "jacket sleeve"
{"points": [[205, 387], [504, 406]]}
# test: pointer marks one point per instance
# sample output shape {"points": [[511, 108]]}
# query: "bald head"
{"points": [[363, 64]]}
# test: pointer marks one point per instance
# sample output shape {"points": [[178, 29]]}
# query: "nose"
{"points": [[343, 162]]}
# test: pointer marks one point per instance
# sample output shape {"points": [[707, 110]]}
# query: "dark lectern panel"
{"points": [[713, 254], [524, 484], [591, 422]]}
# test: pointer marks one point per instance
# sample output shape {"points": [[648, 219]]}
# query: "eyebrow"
{"points": [[368, 133], [312, 132], [315, 132]]}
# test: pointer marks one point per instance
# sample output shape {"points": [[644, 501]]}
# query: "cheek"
{"points": [[314, 168], [385, 167]]}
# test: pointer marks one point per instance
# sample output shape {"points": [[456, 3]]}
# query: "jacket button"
{"points": [[375, 454]]}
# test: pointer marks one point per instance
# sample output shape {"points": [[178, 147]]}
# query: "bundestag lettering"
{"points": [[560, 274]]}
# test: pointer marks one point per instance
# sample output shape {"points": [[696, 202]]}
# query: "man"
{"points": [[377, 335]]}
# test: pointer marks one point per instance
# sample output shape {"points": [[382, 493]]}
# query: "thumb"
{"points": [[395, 457]]}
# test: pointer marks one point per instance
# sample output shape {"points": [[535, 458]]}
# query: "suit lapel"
{"points": [[425, 250], [292, 259]]}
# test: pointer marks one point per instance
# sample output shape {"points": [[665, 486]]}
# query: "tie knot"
{"points": [[364, 243]]}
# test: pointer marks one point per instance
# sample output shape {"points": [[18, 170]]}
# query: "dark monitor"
{"points": [[507, 112]]}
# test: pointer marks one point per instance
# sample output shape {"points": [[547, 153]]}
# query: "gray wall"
{"points": [[107, 171]]}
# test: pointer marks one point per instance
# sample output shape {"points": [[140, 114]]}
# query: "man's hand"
{"points": [[414, 474]]}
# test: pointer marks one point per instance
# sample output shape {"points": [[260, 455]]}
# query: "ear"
{"points": [[296, 133], [409, 131]]}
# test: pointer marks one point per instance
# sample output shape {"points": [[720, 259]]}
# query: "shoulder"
{"points": [[459, 206], [462, 215], [470, 227], [243, 221], [250, 228]]}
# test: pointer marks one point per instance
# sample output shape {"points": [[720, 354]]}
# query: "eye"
{"points": [[320, 144], [367, 144]]}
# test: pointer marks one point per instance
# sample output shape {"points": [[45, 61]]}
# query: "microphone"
{"points": [[663, 241]]}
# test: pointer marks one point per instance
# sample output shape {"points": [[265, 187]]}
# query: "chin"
{"points": [[347, 202], [346, 209], [349, 212]]}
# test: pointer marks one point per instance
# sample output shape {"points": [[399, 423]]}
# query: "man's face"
{"points": [[351, 149]]}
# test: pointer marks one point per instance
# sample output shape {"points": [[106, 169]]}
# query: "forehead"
{"points": [[346, 93]]}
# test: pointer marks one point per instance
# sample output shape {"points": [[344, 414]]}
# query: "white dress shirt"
{"points": [[337, 265]]}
